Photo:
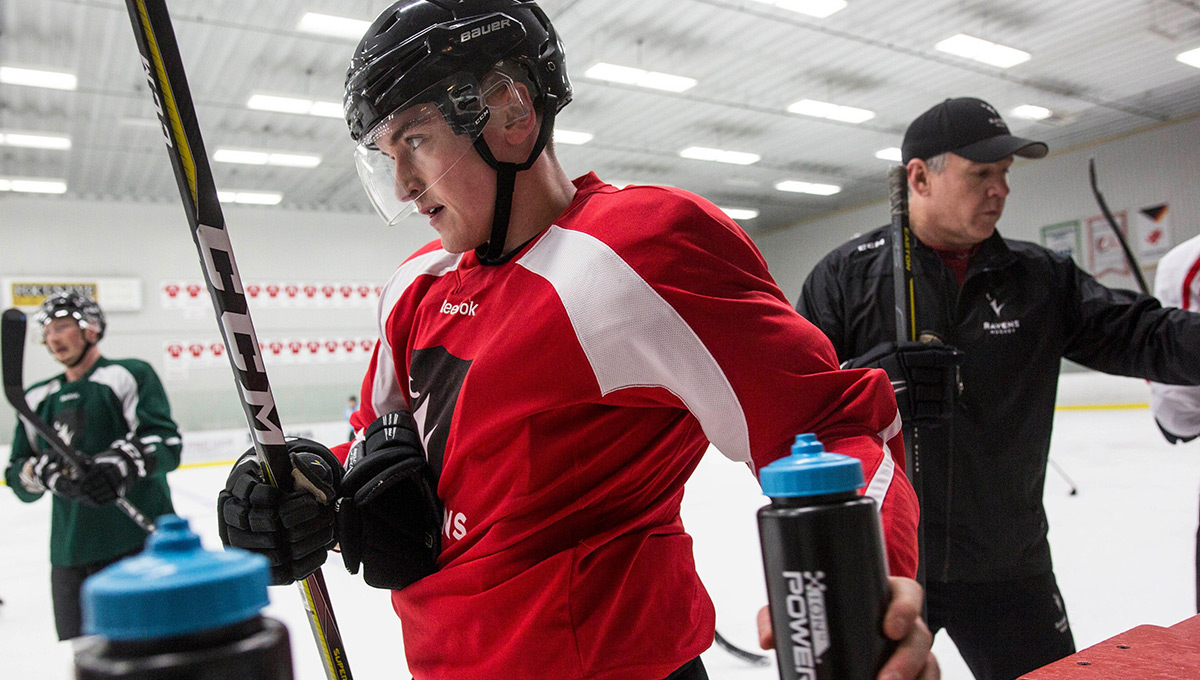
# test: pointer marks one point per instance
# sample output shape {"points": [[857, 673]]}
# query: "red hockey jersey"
{"points": [[565, 396]]}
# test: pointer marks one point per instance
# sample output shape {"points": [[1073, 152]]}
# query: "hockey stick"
{"points": [[168, 84], [12, 355], [1112, 222], [902, 281], [904, 302], [752, 658], [1074, 490]]}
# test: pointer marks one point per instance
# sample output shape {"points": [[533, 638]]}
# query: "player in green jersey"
{"points": [[114, 412]]}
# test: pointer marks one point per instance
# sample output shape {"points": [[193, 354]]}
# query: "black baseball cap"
{"points": [[968, 127]]}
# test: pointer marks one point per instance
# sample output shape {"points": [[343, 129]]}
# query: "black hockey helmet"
{"points": [[415, 44], [75, 305], [421, 58]]}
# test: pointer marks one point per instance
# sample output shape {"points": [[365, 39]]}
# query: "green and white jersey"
{"points": [[116, 399]]}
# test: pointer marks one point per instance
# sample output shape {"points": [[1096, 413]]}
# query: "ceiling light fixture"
{"points": [[1032, 112], [54, 80], [278, 104], [628, 75], [813, 188], [254, 157], [34, 140], [701, 153], [571, 137], [327, 24], [1191, 57], [33, 185], [819, 109], [740, 213], [985, 51], [249, 197], [813, 8], [892, 153]]}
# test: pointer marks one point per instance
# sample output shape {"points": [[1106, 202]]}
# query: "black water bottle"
{"points": [[825, 564], [178, 612]]}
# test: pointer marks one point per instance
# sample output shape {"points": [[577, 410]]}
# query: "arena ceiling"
{"points": [[1096, 68]]}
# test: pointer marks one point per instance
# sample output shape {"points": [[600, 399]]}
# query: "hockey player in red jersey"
{"points": [[548, 375]]}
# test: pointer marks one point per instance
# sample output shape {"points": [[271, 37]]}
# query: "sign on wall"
{"points": [[193, 294], [1153, 228], [113, 294], [1062, 238], [1105, 253]]}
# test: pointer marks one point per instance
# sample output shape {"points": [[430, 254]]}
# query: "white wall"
{"points": [[1160, 164], [40, 236], [152, 242]]}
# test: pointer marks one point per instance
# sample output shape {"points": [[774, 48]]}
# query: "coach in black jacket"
{"points": [[1014, 309]]}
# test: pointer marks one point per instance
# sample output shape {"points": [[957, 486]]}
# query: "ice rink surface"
{"points": [[1123, 550]]}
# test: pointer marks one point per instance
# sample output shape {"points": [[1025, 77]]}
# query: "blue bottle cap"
{"points": [[811, 471], [174, 587]]}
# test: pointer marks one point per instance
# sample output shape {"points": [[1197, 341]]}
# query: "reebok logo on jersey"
{"points": [[466, 308]]}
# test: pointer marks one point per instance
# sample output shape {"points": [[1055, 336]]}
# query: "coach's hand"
{"points": [[924, 375]]}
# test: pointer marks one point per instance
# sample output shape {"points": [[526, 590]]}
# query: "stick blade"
{"points": [[12, 351]]}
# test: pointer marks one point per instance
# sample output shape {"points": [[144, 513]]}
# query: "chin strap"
{"points": [[492, 252], [87, 347]]}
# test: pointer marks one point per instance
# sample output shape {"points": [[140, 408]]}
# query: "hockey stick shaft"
{"points": [[1112, 222], [168, 84], [906, 328], [12, 354], [902, 281]]}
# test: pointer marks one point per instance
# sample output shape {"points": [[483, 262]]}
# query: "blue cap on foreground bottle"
{"points": [[178, 612], [825, 566]]}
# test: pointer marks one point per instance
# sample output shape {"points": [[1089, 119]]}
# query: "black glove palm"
{"points": [[293, 530], [113, 472], [923, 374], [389, 516]]}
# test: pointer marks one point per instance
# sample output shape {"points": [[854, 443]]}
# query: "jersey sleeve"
{"points": [[381, 392], [155, 430], [21, 451], [1126, 333], [762, 373]]}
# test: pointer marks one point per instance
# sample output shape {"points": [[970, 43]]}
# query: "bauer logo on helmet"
{"points": [[480, 31]]}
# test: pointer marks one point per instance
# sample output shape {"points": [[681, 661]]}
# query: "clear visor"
{"points": [[421, 142]]}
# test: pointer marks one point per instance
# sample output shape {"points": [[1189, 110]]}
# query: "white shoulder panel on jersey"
{"points": [[386, 392], [881, 481], [124, 385], [633, 338], [34, 396]]}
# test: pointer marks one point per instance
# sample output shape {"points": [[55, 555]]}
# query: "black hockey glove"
{"points": [[293, 530], [923, 374], [389, 516], [112, 472]]}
